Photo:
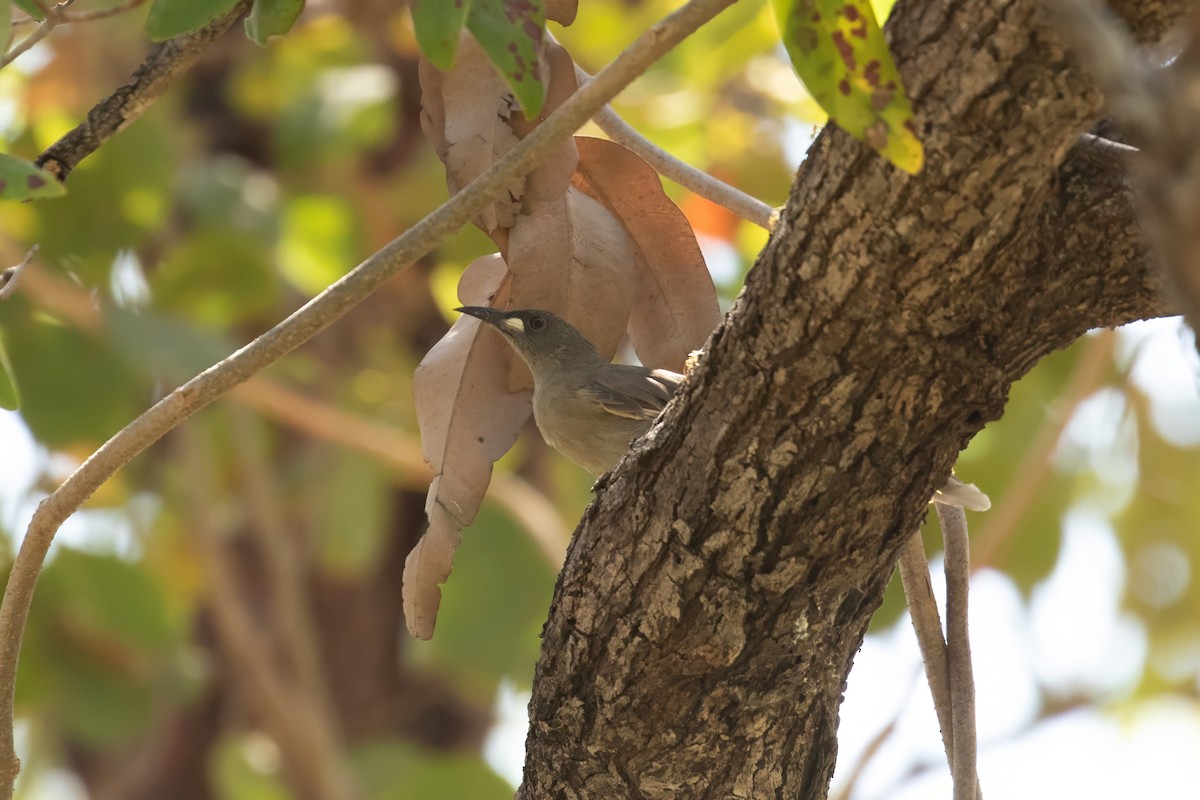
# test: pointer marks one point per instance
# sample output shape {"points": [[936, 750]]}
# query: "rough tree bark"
{"points": [[719, 586]]}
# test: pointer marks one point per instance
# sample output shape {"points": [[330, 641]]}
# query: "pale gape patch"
{"points": [[515, 324]]}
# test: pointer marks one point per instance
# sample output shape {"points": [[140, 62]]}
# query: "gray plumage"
{"points": [[586, 408]]}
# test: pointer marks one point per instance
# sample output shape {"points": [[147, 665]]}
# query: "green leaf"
{"points": [[395, 770], [10, 397], [351, 508], [438, 24], [5, 15], [838, 50], [510, 32], [237, 774], [20, 180], [169, 18], [272, 18], [29, 7], [116, 600]]}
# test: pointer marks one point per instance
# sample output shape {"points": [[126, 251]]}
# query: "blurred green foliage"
{"points": [[266, 175]]}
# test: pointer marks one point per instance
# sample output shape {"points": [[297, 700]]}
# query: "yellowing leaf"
{"points": [[840, 53], [20, 180]]}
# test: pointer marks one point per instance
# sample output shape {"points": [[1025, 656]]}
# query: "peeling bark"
{"points": [[715, 593]]}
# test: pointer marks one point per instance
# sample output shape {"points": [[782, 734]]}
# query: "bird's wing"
{"points": [[634, 392]]}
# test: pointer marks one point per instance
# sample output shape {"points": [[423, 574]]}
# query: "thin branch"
{"points": [[72, 17], [316, 315], [58, 15], [291, 717], [25, 45], [8, 278], [735, 200], [958, 651], [163, 65]]}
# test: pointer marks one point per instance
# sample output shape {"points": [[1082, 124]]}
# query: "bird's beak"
{"points": [[492, 316]]}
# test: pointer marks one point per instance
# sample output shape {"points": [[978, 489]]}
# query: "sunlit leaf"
{"points": [[269, 18], [839, 51], [20, 180], [247, 768], [438, 24], [510, 32], [10, 397], [168, 18]]}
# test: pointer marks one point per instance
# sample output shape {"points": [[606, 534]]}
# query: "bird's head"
{"points": [[541, 338]]}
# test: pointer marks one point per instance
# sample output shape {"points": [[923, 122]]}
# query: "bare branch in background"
{"points": [[59, 15], [305, 735], [282, 556]]}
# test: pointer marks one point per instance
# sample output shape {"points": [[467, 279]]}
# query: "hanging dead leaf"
{"points": [[465, 113], [470, 116], [674, 303], [468, 419], [572, 257]]}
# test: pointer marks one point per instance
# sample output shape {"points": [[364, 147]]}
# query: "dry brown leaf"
{"points": [[468, 420], [562, 11], [572, 257], [472, 119], [674, 306], [465, 114]]}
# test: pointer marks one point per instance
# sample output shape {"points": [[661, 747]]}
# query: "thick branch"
{"points": [[714, 596]]}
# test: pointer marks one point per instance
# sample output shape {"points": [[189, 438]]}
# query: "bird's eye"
{"points": [[537, 323]]}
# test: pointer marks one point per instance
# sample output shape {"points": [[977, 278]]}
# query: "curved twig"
{"points": [[316, 315]]}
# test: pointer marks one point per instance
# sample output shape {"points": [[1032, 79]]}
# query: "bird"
{"points": [[588, 409], [591, 410]]}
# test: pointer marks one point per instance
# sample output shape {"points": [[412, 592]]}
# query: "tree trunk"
{"points": [[717, 590]]}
